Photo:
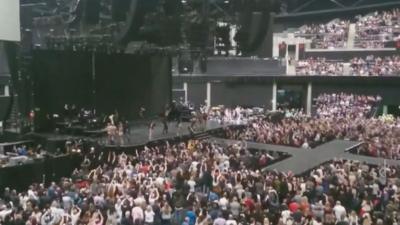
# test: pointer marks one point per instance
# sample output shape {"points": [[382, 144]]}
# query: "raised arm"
{"points": [[157, 193], [165, 165], [101, 217], [114, 158], [79, 210]]}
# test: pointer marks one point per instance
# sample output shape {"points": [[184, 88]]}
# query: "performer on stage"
{"points": [[141, 112], [111, 132], [165, 125], [112, 119], [165, 120], [121, 133], [178, 128], [151, 130], [192, 126]]}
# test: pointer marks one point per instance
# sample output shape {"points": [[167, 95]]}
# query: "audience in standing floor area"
{"points": [[338, 116], [202, 183], [237, 115]]}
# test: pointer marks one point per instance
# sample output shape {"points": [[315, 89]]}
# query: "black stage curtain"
{"points": [[125, 82], [122, 83], [161, 83], [61, 77], [106, 82]]}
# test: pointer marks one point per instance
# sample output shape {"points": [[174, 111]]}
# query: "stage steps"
{"points": [[201, 136], [13, 122], [351, 36]]}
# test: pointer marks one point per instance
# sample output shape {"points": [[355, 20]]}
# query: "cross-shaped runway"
{"points": [[302, 160]]}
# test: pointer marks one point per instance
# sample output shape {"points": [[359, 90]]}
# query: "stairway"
{"points": [[377, 110], [351, 36], [290, 69], [346, 69], [13, 122], [201, 136]]}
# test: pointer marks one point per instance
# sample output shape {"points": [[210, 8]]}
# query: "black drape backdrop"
{"points": [[126, 82], [122, 83], [106, 82], [161, 85], [61, 77]]}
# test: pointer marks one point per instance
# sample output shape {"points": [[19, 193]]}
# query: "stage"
{"points": [[137, 135]]}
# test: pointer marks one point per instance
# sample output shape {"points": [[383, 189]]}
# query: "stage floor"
{"points": [[138, 134]]}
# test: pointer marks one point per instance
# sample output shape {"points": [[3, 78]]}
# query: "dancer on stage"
{"points": [[121, 133], [111, 132], [141, 112], [165, 120], [178, 128], [151, 130], [165, 125]]}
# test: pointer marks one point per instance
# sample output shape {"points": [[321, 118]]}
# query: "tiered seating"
{"points": [[371, 31], [368, 66], [319, 66], [375, 29], [331, 35], [375, 66]]}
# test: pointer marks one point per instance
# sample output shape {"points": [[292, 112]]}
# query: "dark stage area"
{"points": [[103, 82]]}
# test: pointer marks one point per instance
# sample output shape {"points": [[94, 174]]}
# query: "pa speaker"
{"points": [[92, 11], [120, 9], [134, 20]]}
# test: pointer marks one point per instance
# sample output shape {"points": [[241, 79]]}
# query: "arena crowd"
{"points": [[340, 116], [168, 184], [331, 35], [375, 66], [368, 66], [200, 182], [372, 30], [319, 66]]}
